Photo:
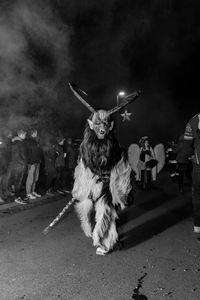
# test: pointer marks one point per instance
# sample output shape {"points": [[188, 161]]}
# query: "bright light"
{"points": [[122, 93]]}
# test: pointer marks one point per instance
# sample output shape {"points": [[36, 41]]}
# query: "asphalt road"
{"points": [[160, 258]]}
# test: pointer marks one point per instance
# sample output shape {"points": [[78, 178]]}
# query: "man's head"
{"points": [[21, 134], [171, 143], [144, 141], [69, 140], [34, 133], [101, 123]]}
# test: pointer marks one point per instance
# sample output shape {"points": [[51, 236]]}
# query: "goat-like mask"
{"points": [[101, 121]]}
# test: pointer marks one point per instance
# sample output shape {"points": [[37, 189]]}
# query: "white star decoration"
{"points": [[126, 116]]}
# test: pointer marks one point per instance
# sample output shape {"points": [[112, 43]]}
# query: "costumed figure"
{"points": [[146, 161], [102, 177]]}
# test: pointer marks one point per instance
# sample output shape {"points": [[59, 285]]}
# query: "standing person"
{"points": [[191, 146], [70, 162], [2, 169], [17, 167], [144, 165], [5, 158], [60, 165], [49, 166], [34, 157]]}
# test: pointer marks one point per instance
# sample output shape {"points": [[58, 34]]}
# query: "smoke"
{"points": [[130, 45], [148, 45], [34, 59]]}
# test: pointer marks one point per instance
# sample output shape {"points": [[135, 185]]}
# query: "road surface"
{"points": [[160, 258]]}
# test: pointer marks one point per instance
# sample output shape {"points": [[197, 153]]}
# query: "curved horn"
{"points": [[76, 91], [129, 98]]}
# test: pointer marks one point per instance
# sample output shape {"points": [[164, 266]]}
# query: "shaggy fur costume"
{"points": [[102, 183]]}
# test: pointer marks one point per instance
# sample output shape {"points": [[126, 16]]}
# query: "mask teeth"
{"points": [[78, 96]]}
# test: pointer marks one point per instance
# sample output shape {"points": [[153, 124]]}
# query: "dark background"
{"points": [[105, 47]]}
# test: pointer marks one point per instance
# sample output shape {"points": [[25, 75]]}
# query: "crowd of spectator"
{"points": [[32, 166]]}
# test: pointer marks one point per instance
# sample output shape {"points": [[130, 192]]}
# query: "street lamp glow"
{"points": [[121, 93]]}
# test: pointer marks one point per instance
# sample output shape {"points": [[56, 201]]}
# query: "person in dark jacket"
{"points": [[60, 165], [17, 167], [191, 147], [34, 157], [49, 150], [5, 159], [70, 162]]}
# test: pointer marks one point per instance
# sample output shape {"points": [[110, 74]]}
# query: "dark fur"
{"points": [[100, 155]]}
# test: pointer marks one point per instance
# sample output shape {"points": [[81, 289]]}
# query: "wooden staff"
{"points": [[59, 216]]}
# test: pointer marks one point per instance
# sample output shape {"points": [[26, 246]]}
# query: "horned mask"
{"points": [[101, 122]]}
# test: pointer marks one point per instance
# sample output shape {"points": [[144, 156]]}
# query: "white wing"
{"points": [[133, 157], [159, 151]]}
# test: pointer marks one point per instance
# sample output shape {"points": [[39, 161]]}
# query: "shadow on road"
{"points": [[154, 226], [153, 212], [145, 201]]}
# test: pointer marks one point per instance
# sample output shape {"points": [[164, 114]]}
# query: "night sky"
{"points": [[104, 47]]}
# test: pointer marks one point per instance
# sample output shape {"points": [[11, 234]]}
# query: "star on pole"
{"points": [[126, 116]]}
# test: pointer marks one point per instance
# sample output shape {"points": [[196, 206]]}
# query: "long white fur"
{"points": [[105, 232], [120, 183], [86, 183]]}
